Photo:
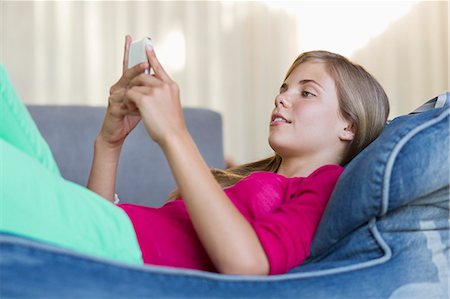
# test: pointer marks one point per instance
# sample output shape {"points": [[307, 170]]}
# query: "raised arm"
{"points": [[120, 119], [228, 238], [102, 178]]}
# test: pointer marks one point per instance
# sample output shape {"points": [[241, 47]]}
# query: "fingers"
{"points": [[134, 97], [126, 50], [142, 90], [138, 96], [129, 107], [145, 80], [157, 67], [131, 73]]}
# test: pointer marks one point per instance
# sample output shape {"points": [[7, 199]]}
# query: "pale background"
{"points": [[230, 56]]}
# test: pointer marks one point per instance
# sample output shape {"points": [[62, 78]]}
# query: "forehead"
{"points": [[312, 70]]}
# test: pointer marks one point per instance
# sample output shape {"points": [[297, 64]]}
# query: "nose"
{"points": [[281, 100]]}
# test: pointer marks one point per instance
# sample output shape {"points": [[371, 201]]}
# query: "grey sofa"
{"points": [[143, 176], [384, 234]]}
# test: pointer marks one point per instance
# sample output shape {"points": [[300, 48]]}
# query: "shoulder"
{"points": [[323, 179], [329, 170], [319, 184]]}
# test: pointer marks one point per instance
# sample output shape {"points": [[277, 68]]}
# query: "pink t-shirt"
{"points": [[284, 213]]}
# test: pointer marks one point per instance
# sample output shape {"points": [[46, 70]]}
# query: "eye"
{"points": [[307, 94]]}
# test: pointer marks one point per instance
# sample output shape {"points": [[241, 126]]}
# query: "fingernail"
{"points": [[149, 47]]}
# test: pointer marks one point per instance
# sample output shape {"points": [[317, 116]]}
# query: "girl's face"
{"points": [[306, 120]]}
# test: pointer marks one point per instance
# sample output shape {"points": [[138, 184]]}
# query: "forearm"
{"points": [[228, 238], [102, 177]]}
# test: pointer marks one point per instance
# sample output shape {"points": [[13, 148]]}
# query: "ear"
{"points": [[347, 133]]}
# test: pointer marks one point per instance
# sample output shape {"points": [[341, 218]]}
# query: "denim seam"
{"points": [[391, 160], [161, 270]]}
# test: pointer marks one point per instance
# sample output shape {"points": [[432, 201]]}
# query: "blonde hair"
{"points": [[362, 102]]}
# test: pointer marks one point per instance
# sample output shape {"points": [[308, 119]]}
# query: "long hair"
{"points": [[362, 102]]}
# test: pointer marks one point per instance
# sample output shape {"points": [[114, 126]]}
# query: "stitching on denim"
{"points": [[391, 160]]}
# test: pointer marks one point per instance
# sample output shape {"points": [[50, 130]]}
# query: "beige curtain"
{"points": [[411, 57], [230, 57], [227, 56]]}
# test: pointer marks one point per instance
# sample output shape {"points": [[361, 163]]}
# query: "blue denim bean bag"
{"points": [[384, 234], [409, 160]]}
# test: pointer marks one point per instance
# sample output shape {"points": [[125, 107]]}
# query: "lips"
{"points": [[278, 119]]}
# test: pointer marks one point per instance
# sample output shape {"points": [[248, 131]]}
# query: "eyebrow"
{"points": [[304, 81]]}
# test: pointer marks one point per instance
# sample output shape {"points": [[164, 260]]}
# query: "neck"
{"points": [[301, 166]]}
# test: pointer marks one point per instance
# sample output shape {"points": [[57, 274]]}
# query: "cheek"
{"points": [[315, 121], [309, 116]]}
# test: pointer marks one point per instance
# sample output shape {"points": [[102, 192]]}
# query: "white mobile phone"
{"points": [[137, 52]]}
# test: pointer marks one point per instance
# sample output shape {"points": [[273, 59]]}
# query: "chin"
{"points": [[287, 149], [277, 146]]}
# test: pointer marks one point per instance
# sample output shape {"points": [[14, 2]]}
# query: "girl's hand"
{"points": [[121, 116], [157, 99]]}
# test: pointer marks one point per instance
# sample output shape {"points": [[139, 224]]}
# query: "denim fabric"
{"points": [[385, 235], [54, 273]]}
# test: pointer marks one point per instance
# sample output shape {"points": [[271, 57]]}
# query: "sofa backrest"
{"points": [[143, 176]]}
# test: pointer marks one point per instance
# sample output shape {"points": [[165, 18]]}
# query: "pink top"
{"points": [[284, 213]]}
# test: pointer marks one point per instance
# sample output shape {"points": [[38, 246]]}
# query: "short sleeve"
{"points": [[287, 232]]}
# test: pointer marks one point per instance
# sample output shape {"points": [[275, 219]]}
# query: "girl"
{"points": [[256, 219]]}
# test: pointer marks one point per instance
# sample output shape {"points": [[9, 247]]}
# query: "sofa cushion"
{"points": [[407, 161], [144, 176]]}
